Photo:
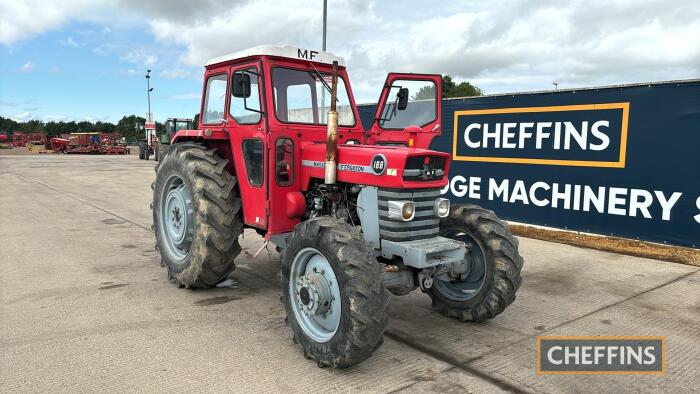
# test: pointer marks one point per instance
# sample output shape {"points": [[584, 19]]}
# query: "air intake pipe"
{"points": [[332, 132]]}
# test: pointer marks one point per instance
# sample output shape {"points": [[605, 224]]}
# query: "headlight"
{"points": [[404, 210], [441, 207]]}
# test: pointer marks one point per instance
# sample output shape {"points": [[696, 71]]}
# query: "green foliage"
{"points": [[449, 89], [195, 121], [425, 93], [463, 89], [132, 127]]}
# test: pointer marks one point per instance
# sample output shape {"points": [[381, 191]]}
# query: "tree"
{"points": [[8, 125], [463, 89], [449, 89], [195, 121], [131, 127], [427, 92]]}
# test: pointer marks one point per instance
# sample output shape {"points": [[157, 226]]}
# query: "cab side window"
{"points": [[253, 157], [284, 161], [214, 100], [247, 110]]}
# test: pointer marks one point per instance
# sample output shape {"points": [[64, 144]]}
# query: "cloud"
{"points": [[247, 24], [178, 73], [54, 118], [500, 46], [140, 57], [32, 115], [179, 10], [68, 42], [33, 17], [186, 96], [96, 118], [24, 116], [130, 72], [26, 67]]}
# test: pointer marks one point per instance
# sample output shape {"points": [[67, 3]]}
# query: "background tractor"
{"points": [[356, 214], [172, 125]]}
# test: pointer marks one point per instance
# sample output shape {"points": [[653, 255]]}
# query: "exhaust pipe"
{"points": [[332, 132]]}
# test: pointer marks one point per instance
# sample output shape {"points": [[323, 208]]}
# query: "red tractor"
{"points": [[356, 214]]}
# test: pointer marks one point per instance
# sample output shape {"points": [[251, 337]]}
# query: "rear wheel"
{"points": [[161, 150], [492, 266], [332, 292], [196, 215], [142, 151]]}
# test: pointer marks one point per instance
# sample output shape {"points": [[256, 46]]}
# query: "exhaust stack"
{"points": [[332, 132]]}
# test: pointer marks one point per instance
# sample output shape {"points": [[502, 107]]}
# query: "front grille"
{"points": [[424, 168], [424, 224]]}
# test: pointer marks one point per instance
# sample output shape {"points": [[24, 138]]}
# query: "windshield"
{"points": [[301, 97], [173, 127], [421, 108]]}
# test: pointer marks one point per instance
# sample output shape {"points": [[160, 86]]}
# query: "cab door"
{"points": [[409, 111], [246, 126]]}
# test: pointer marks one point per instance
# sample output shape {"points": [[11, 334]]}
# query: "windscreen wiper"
{"points": [[323, 81]]}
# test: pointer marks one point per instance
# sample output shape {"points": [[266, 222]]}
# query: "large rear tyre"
{"points": [[142, 151], [196, 216], [332, 292], [493, 261]]}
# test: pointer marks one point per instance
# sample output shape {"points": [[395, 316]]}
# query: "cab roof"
{"points": [[281, 51]]}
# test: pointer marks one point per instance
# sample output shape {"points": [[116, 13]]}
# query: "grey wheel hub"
{"points": [[465, 279], [176, 216], [314, 295]]}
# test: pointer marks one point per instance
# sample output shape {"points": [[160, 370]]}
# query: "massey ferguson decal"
{"points": [[378, 164], [371, 169]]}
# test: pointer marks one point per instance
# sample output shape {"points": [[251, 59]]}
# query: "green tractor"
{"points": [[172, 125]]}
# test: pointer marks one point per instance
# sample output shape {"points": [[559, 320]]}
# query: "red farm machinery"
{"points": [[93, 143], [357, 215], [5, 141]]}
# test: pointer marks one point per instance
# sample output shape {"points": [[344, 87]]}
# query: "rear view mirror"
{"points": [[241, 85], [402, 99]]}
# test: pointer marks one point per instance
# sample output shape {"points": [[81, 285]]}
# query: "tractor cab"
{"points": [[166, 134], [270, 105], [172, 126], [280, 149]]}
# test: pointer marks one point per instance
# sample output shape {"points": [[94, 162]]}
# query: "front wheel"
{"points": [[491, 274], [332, 292]]}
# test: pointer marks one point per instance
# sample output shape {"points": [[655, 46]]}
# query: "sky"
{"points": [[86, 59]]}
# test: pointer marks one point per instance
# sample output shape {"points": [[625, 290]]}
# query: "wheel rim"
{"points": [[475, 258], [314, 295], [176, 216]]}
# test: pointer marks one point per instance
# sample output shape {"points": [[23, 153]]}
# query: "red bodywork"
{"points": [[22, 139], [361, 155], [275, 208]]}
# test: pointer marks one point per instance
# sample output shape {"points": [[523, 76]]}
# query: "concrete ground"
{"points": [[85, 306]]}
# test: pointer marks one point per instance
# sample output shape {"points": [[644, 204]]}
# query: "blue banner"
{"points": [[622, 161]]}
